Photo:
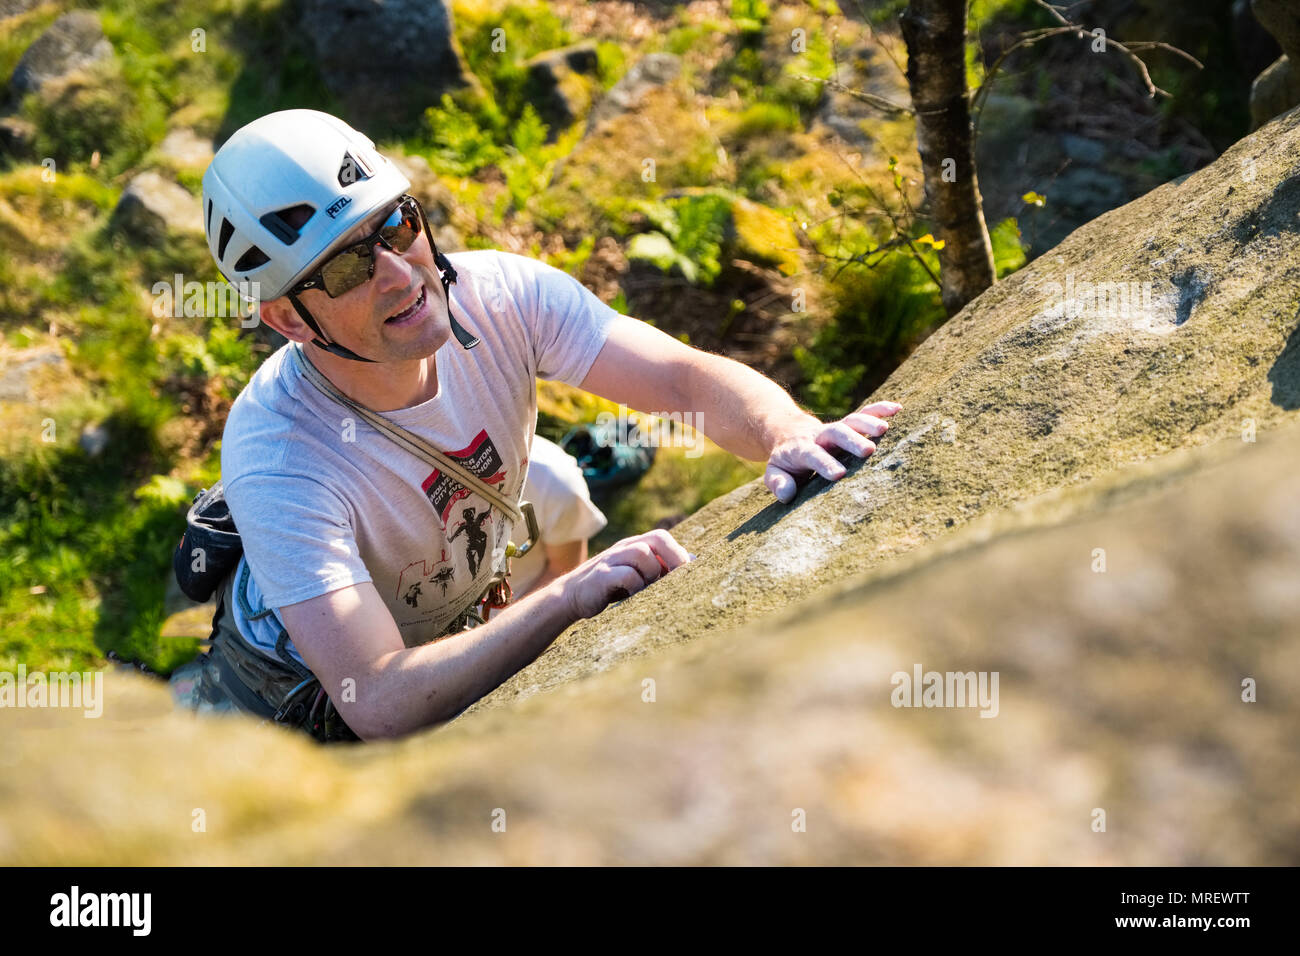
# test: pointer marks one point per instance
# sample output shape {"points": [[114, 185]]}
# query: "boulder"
{"points": [[1274, 91], [1277, 89], [562, 87], [14, 8], [184, 149], [654, 70], [1282, 19], [19, 368], [154, 208], [73, 42], [386, 60]]}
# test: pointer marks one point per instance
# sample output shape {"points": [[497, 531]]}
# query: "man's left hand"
{"points": [[805, 451]]}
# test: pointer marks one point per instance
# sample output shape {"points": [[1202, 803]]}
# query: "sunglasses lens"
{"points": [[353, 266], [347, 270], [402, 227]]}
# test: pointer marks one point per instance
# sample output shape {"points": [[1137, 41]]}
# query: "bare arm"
{"points": [[560, 559], [349, 633], [742, 410]]}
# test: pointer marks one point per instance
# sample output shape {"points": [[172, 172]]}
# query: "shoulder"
{"points": [[518, 272], [262, 418]]}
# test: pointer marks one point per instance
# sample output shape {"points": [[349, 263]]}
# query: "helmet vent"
{"points": [[227, 230], [208, 226], [285, 223], [251, 260]]}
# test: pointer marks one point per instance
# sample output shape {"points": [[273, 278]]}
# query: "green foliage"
{"points": [[611, 63], [572, 261], [456, 143], [86, 558], [683, 38], [701, 221], [1009, 253], [750, 16], [764, 118], [691, 230], [526, 29], [100, 113], [880, 314], [526, 166]]}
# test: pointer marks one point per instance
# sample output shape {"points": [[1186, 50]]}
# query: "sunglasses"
{"points": [[355, 265]]}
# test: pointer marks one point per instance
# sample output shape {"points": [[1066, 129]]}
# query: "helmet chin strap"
{"points": [[463, 335]]}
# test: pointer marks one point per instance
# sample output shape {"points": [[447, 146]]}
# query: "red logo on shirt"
{"points": [[480, 458]]}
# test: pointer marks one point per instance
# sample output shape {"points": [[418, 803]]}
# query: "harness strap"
{"points": [[408, 440]]}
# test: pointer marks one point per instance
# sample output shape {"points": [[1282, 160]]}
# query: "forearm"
{"points": [[549, 575], [419, 686], [742, 410]]}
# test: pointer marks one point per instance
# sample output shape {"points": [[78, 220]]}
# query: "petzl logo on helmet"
{"points": [[354, 169], [337, 205]]}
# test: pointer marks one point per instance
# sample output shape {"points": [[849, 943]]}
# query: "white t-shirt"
{"points": [[563, 505], [322, 500]]}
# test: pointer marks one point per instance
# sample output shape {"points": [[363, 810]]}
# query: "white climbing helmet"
{"points": [[283, 190]]}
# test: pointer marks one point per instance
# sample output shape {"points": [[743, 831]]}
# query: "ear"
{"points": [[280, 315]]}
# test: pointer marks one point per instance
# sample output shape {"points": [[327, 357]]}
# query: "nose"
{"points": [[391, 268]]}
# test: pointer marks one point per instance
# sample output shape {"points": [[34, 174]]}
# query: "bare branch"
{"points": [[879, 102], [1068, 26]]}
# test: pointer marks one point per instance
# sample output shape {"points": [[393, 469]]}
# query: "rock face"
{"points": [[563, 85], [387, 60], [73, 42], [1099, 506]]}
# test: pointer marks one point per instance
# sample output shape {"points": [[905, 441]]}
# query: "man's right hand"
{"points": [[620, 571]]}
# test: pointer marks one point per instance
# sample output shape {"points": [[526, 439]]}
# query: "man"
{"points": [[339, 522], [566, 517]]}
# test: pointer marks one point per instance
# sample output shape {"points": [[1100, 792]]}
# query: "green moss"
{"points": [[764, 236], [760, 119]]}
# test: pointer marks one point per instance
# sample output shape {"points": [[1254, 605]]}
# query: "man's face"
{"points": [[366, 319]]}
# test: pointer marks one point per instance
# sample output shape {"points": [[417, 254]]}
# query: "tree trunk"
{"points": [[935, 33]]}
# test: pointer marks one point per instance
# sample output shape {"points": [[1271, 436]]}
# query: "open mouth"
{"points": [[410, 312]]}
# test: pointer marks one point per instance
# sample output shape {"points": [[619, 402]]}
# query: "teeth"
{"points": [[409, 310]]}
